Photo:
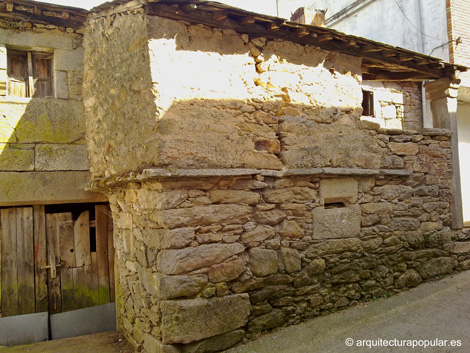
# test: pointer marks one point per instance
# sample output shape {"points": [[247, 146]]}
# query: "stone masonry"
{"points": [[43, 152], [246, 191], [397, 105]]}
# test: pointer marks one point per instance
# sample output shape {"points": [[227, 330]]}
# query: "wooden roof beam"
{"points": [[325, 37], [189, 7], [219, 15], [388, 57], [370, 49], [384, 75], [273, 26], [301, 32], [247, 20]]}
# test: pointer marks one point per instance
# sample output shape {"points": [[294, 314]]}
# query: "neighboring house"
{"points": [[46, 216], [249, 188], [433, 27]]}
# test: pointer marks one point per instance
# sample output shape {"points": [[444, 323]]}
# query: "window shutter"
{"points": [[42, 74], [17, 74]]}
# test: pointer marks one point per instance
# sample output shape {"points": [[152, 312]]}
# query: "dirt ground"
{"points": [[107, 342]]}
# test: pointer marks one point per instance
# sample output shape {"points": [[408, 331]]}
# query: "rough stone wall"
{"points": [[397, 105], [42, 140], [268, 251], [203, 81], [331, 210]]}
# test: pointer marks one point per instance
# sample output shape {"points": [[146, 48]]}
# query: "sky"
{"points": [[268, 7]]}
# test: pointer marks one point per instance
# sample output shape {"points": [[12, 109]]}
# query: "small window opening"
{"points": [[29, 74], [367, 103], [334, 205]]}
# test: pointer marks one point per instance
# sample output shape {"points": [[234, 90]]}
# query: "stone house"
{"points": [[247, 188], [47, 218], [432, 27]]}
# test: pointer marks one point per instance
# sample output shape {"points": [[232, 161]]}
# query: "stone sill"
{"points": [[160, 173]]}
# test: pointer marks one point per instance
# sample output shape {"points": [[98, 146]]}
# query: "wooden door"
{"points": [[84, 255], [78, 245]]}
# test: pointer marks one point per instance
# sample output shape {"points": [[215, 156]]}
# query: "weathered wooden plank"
{"points": [[18, 74], [52, 239], [9, 263], [65, 230], [40, 258], [63, 238], [66, 242], [81, 231], [25, 253], [79, 287], [111, 254], [30, 75], [92, 288], [67, 288], [102, 252]]}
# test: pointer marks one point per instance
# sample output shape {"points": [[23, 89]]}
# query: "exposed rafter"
{"points": [[393, 63], [43, 13]]}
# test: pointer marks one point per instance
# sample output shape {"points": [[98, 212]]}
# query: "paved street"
{"points": [[439, 310]]}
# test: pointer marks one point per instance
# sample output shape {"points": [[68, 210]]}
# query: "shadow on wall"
{"points": [[218, 134], [192, 97], [43, 157], [196, 97]]}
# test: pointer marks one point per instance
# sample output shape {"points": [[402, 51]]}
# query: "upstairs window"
{"points": [[367, 103], [29, 74]]}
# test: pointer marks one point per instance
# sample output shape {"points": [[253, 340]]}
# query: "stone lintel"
{"points": [[31, 188], [333, 190]]}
